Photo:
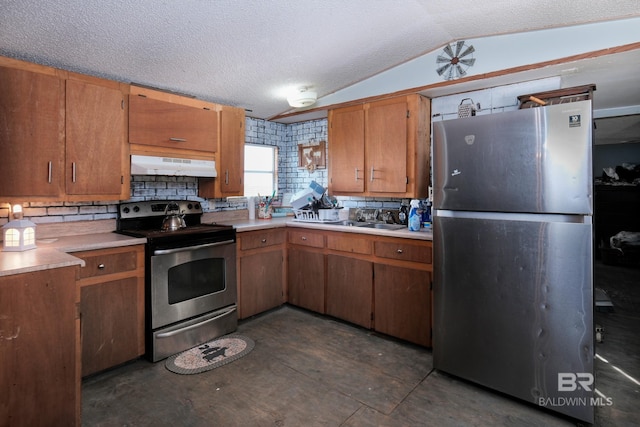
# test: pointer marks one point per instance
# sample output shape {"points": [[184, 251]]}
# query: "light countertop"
{"points": [[57, 252], [261, 224]]}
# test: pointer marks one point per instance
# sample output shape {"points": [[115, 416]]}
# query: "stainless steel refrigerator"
{"points": [[513, 269]]}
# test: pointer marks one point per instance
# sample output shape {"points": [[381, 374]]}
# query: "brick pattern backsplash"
{"points": [[291, 179]]}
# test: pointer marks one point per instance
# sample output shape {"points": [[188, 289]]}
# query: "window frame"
{"points": [[273, 171]]}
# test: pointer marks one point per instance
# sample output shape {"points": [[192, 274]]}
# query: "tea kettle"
{"points": [[173, 220]]}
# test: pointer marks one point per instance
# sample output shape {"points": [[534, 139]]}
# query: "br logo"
{"points": [[568, 381]]}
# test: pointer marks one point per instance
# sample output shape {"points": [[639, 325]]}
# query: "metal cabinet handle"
{"points": [[357, 177], [101, 266], [399, 251], [177, 139], [49, 172], [264, 240], [304, 238], [73, 172], [371, 176], [226, 177]]}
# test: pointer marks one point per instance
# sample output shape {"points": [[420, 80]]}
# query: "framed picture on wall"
{"points": [[312, 157]]}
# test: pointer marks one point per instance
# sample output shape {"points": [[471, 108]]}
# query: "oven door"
{"points": [[187, 282]]}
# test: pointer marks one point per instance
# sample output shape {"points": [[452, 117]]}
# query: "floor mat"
{"points": [[210, 355]]}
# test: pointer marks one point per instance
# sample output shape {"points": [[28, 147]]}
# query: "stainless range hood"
{"points": [[153, 165]]}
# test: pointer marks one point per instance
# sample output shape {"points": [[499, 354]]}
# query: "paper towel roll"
{"points": [[251, 205]]}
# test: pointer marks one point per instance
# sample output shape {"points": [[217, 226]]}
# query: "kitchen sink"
{"points": [[382, 226], [379, 225]]}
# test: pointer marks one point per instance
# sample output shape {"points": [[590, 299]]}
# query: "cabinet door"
{"points": [[346, 150], [31, 133], [164, 124], [306, 279], [386, 149], [402, 301], [110, 332], [95, 131], [39, 381], [111, 289], [261, 278], [350, 289], [231, 159]]}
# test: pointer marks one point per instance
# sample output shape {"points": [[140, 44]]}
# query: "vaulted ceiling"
{"points": [[249, 53]]}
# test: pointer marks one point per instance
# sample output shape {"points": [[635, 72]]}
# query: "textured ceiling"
{"points": [[247, 53]]}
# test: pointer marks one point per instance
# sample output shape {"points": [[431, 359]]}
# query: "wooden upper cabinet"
{"points": [[168, 123], [95, 140], [346, 150], [230, 158], [63, 135], [386, 151], [380, 148], [31, 133]]}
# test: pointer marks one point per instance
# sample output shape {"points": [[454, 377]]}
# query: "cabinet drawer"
{"points": [[306, 238], [103, 263], [260, 239], [350, 243], [401, 249]]}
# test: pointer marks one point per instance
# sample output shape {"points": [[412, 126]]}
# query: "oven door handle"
{"points": [[191, 248], [196, 325]]}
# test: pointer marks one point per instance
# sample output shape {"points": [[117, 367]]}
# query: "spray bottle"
{"points": [[415, 218]]}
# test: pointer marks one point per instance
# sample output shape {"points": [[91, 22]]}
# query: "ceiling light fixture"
{"points": [[302, 98]]}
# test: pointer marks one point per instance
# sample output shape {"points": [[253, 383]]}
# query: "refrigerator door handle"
{"points": [[577, 219]]}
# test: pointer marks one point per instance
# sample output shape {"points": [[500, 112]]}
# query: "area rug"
{"points": [[210, 355]]}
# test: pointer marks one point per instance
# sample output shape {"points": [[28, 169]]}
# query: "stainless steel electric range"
{"points": [[191, 294]]}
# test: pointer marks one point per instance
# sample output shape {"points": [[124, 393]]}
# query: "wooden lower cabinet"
{"points": [[111, 287], [39, 375], [306, 274], [261, 277], [377, 282], [306, 269], [261, 271], [403, 303], [110, 333], [350, 289]]}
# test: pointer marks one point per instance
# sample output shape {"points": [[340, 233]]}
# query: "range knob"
{"points": [[189, 206], [136, 209], [125, 210]]}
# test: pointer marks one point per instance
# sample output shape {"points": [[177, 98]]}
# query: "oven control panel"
{"points": [[150, 208]]}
